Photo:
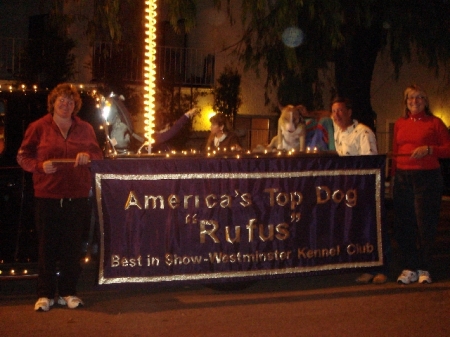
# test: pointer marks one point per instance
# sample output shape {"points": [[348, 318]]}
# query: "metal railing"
{"points": [[384, 142], [177, 66], [125, 62], [186, 66], [10, 57]]}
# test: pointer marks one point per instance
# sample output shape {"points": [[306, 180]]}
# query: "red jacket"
{"points": [[43, 141], [410, 133]]}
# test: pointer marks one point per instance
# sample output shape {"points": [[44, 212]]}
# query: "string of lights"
{"points": [[150, 71]]}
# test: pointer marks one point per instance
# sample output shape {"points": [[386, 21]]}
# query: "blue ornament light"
{"points": [[292, 37]]}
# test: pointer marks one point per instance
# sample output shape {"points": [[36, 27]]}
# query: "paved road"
{"points": [[326, 305]]}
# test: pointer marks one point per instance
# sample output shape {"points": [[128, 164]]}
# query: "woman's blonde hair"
{"points": [[423, 93], [64, 89]]}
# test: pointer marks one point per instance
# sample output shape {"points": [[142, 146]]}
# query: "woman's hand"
{"points": [[236, 148], [191, 113], [48, 167], [82, 159], [420, 152]]}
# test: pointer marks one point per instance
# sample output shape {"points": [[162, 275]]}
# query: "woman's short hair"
{"points": [[220, 119], [67, 90], [422, 92]]}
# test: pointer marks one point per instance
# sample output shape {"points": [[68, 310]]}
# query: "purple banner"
{"points": [[228, 218]]}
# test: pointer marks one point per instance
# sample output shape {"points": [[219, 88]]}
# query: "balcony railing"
{"points": [[10, 51], [185, 66], [177, 66]]}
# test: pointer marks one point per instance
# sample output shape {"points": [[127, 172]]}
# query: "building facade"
{"points": [[196, 59]]}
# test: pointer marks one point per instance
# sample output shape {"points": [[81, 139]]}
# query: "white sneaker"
{"points": [[72, 302], [44, 304], [407, 277], [424, 276]]}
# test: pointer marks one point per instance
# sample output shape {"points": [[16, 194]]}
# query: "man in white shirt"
{"points": [[350, 137], [353, 139]]}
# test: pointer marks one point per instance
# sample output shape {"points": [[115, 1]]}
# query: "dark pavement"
{"points": [[325, 305]]}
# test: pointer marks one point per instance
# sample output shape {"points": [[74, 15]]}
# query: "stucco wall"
{"points": [[387, 92], [214, 31]]}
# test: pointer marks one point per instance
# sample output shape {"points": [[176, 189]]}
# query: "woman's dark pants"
{"points": [[60, 225], [417, 201]]}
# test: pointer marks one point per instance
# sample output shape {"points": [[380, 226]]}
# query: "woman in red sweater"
{"points": [[420, 139], [57, 149]]}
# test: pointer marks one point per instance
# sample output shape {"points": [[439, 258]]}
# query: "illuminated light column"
{"points": [[150, 70]]}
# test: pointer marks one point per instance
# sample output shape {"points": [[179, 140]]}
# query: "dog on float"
{"points": [[299, 128], [291, 131]]}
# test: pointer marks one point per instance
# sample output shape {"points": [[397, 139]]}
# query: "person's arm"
{"points": [[394, 151], [27, 154], [166, 135], [232, 142], [442, 150], [368, 142], [179, 124]]}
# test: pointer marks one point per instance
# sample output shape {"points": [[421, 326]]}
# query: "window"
{"points": [[259, 132]]}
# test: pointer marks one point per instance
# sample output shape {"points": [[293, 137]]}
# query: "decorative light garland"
{"points": [[14, 87], [150, 70]]}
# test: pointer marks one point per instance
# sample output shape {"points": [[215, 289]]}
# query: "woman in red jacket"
{"points": [[420, 139], [57, 149]]}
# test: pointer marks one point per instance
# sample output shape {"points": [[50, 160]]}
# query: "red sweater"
{"points": [[410, 133], [44, 141]]}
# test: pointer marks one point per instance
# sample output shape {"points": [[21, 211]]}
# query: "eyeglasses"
{"points": [[415, 97]]}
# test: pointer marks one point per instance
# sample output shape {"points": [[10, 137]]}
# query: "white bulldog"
{"points": [[291, 130]]}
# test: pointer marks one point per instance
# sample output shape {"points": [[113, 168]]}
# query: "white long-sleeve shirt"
{"points": [[357, 139]]}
